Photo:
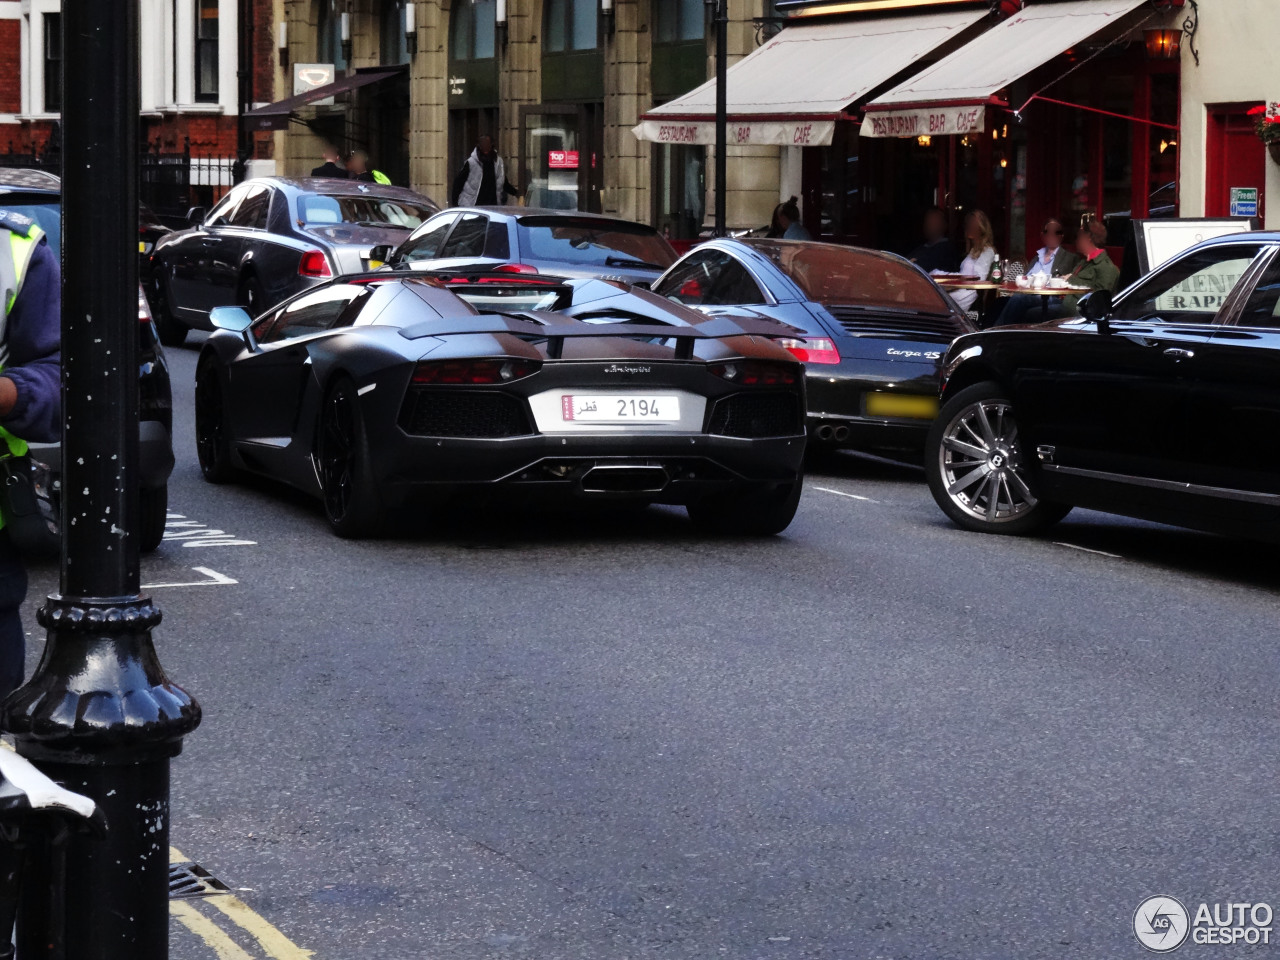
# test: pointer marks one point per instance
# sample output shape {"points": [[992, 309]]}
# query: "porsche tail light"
{"points": [[516, 268], [314, 264], [144, 308], [756, 373], [812, 350], [473, 372]]}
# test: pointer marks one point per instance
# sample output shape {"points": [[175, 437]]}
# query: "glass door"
{"points": [[561, 160]]}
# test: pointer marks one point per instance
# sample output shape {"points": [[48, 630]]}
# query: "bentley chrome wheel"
{"points": [[981, 463]]}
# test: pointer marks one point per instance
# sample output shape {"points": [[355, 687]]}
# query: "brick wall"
{"points": [[10, 66]]}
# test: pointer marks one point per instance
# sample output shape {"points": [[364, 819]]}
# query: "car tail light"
{"points": [[472, 372], [756, 373], [515, 268], [314, 264], [812, 350], [144, 308]]}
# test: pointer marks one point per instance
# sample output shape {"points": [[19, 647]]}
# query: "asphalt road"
{"points": [[567, 736]]}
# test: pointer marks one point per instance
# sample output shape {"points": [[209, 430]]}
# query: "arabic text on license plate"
{"points": [[649, 408]]}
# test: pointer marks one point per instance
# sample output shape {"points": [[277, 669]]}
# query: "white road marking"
{"points": [[1076, 546], [192, 534], [216, 579], [367, 388], [841, 493]]}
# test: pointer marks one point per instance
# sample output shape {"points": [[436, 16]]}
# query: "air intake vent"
{"points": [[859, 323], [477, 415], [754, 415]]}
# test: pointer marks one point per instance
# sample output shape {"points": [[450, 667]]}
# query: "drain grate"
{"points": [[190, 880]]}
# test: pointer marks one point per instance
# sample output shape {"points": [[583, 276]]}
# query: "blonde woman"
{"points": [[980, 255]]}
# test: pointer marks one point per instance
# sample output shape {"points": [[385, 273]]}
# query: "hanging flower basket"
{"points": [[1268, 130]]}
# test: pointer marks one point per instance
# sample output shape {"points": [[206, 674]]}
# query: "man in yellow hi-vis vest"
{"points": [[30, 401]]}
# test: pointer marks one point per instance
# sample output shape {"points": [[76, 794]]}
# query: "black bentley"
{"points": [[1163, 404], [385, 392], [269, 239]]}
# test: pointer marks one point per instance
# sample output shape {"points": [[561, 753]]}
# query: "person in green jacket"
{"points": [[1096, 270]]}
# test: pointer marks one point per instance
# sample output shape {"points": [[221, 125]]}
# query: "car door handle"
{"points": [[1179, 353]]}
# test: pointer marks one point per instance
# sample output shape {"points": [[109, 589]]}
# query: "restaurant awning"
{"points": [[276, 115], [950, 96], [792, 90]]}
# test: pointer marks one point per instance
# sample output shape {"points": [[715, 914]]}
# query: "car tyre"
{"points": [[172, 332], [251, 296], [213, 436], [153, 510], [976, 469], [752, 513], [352, 504]]}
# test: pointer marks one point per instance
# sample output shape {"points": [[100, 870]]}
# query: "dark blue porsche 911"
{"points": [[876, 327]]}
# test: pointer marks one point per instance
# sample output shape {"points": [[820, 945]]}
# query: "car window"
{"points": [[225, 208], [711, 278], [252, 211], [467, 238], [1262, 309], [599, 242], [324, 309], [361, 209], [426, 245], [1190, 290]]}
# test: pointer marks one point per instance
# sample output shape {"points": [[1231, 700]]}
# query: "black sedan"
{"points": [[384, 392], [526, 240], [874, 330], [269, 239], [1163, 405]]}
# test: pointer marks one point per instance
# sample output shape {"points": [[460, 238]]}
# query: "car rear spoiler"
{"points": [[555, 328]]}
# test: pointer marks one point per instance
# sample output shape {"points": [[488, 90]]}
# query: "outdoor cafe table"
{"points": [[983, 287], [1012, 290]]}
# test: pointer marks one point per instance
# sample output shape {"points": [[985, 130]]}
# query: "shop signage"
{"points": [[457, 86], [926, 121], [740, 131], [1244, 201], [562, 159], [308, 76]]}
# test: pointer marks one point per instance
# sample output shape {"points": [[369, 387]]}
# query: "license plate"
{"points": [[632, 408], [901, 405]]}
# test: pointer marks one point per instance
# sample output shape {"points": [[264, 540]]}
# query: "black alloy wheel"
{"points": [[976, 469], [213, 443], [750, 513], [351, 502]]}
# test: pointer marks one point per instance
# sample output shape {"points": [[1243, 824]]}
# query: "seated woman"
{"points": [[980, 244], [1096, 270]]}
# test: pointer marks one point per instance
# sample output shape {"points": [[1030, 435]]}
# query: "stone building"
{"points": [[561, 84]]}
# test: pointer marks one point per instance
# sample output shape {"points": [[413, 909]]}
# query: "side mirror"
{"points": [[1096, 308], [379, 255], [196, 215], [234, 320]]}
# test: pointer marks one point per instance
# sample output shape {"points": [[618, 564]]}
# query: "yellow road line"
{"points": [[213, 935], [275, 943]]}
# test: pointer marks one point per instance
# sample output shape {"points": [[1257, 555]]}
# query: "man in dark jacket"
{"points": [[330, 167], [937, 252], [478, 181], [30, 401]]}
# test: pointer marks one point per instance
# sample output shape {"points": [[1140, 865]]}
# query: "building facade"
{"points": [[560, 84]]}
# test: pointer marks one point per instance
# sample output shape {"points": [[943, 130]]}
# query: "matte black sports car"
{"points": [[270, 238], [874, 330], [527, 240], [383, 391], [1164, 404]]}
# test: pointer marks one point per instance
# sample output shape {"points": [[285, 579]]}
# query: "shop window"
{"points": [[677, 20], [53, 63], [394, 43], [206, 51], [679, 190], [329, 35], [571, 25], [679, 60]]}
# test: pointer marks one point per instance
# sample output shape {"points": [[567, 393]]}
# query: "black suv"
{"points": [[38, 195]]}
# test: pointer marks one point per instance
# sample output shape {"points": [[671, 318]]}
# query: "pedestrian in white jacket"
{"points": [[482, 181]]}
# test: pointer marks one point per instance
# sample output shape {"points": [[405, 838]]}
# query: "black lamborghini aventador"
{"points": [[384, 392]]}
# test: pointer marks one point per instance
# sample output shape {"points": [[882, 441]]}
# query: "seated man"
{"points": [[1096, 270], [1052, 260], [937, 253]]}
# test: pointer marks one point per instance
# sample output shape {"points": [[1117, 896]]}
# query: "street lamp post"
{"points": [[99, 716], [720, 14]]}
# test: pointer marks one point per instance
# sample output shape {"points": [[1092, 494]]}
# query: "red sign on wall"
{"points": [[562, 159]]}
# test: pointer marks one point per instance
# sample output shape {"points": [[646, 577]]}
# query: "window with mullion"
{"points": [[572, 25], [53, 63], [206, 51]]}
